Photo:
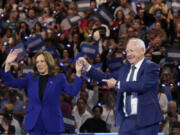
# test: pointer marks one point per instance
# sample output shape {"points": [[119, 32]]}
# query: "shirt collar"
{"points": [[139, 64]]}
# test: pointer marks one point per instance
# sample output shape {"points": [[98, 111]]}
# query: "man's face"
{"points": [[141, 13], [131, 32], [149, 56], [31, 14], [127, 19], [80, 104], [136, 26], [97, 112], [133, 53], [157, 42], [123, 2]]}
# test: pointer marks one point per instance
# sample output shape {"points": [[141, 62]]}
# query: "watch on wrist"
{"points": [[116, 84]]}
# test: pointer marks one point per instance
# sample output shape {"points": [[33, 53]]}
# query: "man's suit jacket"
{"points": [[49, 107], [146, 86]]}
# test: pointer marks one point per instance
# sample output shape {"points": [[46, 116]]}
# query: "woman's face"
{"points": [[65, 53], [80, 104], [158, 26], [75, 37], [92, 5], [119, 15], [37, 27], [98, 58], [9, 33], [41, 65]]}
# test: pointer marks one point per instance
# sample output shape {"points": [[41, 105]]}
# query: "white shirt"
{"points": [[81, 119], [134, 99], [163, 101], [166, 128], [14, 123], [109, 117]]}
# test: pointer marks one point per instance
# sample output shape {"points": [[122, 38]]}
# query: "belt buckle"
{"points": [[133, 117]]}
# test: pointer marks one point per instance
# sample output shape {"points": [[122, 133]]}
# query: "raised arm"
{"points": [[73, 89], [11, 58], [79, 68], [8, 78]]}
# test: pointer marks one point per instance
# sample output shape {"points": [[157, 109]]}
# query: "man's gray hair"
{"points": [[139, 43]]}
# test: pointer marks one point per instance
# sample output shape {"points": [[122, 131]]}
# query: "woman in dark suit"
{"points": [[44, 87]]}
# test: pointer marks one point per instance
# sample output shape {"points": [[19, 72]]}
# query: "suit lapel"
{"points": [[141, 69], [127, 69]]}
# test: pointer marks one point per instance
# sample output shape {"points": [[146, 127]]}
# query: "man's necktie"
{"points": [[128, 94]]}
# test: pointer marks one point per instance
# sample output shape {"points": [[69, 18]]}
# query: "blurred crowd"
{"points": [[156, 22]]}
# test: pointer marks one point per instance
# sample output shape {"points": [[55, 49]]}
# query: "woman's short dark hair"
{"points": [[50, 62]]}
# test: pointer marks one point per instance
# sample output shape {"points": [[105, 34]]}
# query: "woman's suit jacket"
{"points": [[49, 107]]}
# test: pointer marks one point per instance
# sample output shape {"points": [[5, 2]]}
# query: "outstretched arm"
{"points": [[111, 82], [101, 77]]}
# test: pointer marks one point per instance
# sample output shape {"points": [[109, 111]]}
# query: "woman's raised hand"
{"points": [[12, 56]]}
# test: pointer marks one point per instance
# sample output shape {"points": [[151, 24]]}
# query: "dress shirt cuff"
{"points": [[117, 85], [87, 70]]}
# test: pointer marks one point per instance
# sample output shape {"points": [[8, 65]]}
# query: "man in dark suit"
{"points": [[137, 108]]}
